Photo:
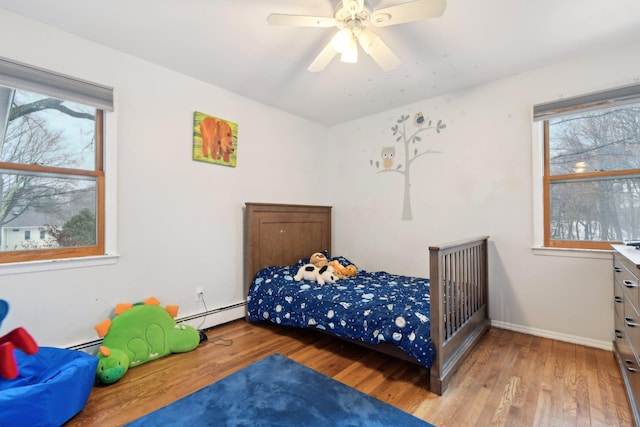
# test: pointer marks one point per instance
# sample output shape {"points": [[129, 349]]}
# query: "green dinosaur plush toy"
{"points": [[140, 333]]}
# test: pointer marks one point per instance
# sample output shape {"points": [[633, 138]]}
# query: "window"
{"points": [[51, 164], [592, 169]]}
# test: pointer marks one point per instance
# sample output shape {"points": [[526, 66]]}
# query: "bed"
{"points": [[436, 324]]}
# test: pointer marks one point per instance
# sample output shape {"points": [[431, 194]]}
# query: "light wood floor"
{"points": [[510, 379]]}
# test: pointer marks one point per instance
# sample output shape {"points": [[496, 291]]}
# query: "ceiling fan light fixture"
{"points": [[350, 55], [341, 40]]}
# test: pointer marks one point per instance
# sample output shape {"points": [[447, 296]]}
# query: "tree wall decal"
{"points": [[411, 144]]}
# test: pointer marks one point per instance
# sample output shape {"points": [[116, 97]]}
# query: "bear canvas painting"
{"points": [[215, 140]]}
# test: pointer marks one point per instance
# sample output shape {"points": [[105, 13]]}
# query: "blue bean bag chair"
{"points": [[52, 386]]}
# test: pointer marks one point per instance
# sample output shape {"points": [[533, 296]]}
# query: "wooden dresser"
{"points": [[626, 297]]}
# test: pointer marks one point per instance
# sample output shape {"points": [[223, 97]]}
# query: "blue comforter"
{"points": [[372, 307]]}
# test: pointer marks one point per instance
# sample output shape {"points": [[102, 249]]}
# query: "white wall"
{"points": [[480, 183], [179, 221]]}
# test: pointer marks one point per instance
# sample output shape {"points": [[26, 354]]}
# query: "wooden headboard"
{"points": [[280, 234]]}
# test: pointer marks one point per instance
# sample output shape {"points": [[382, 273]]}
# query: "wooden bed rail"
{"points": [[459, 304]]}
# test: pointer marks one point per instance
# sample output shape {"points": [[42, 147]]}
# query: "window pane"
{"points": [[50, 165], [603, 140], [48, 132], [595, 210], [62, 207]]}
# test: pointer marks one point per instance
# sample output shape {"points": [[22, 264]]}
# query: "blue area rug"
{"points": [[277, 391]]}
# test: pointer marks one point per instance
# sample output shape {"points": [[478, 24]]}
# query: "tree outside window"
{"points": [[592, 178], [51, 177]]}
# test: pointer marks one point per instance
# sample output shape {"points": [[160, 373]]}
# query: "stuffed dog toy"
{"points": [[321, 275]]}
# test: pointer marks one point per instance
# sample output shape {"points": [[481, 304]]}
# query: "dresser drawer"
{"points": [[631, 321], [624, 347], [619, 332], [626, 354], [633, 374], [618, 299], [625, 276]]}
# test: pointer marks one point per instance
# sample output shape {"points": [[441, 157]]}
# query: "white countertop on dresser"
{"points": [[630, 252]]}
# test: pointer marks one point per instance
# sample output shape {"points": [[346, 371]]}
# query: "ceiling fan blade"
{"points": [[386, 59], [378, 50], [415, 10], [301, 20], [323, 59]]}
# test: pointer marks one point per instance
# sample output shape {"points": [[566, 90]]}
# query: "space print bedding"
{"points": [[371, 307]]}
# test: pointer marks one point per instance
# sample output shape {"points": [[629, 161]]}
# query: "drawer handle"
{"points": [[617, 269], [618, 299], [630, 365], [630, 321], [630, 284], [619, 334]]}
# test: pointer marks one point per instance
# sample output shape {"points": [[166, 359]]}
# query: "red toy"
{"points": [[19, 339]]}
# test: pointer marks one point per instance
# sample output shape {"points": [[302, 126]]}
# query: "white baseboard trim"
{"points": [[215, 317], [236, 311], [200, 321], [603, 345]]}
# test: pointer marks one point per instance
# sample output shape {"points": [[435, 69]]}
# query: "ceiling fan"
{"points": [[353, 18]]}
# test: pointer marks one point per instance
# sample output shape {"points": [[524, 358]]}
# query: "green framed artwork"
{"points": [[215, 140]]}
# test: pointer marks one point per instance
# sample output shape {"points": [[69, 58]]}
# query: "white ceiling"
{"points": [[229, 44]]}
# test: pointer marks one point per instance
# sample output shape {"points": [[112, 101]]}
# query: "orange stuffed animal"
{"points": [[320, 260], [342, 271]]}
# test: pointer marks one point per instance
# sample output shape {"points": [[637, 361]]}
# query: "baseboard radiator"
{"points": [[214, 316]]}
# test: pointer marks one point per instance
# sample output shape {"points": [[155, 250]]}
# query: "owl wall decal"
{"points": [[418, 119], [387, 156]]}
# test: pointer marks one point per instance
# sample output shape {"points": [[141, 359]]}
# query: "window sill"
{"points": [[57, 264], [572, 252]]}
